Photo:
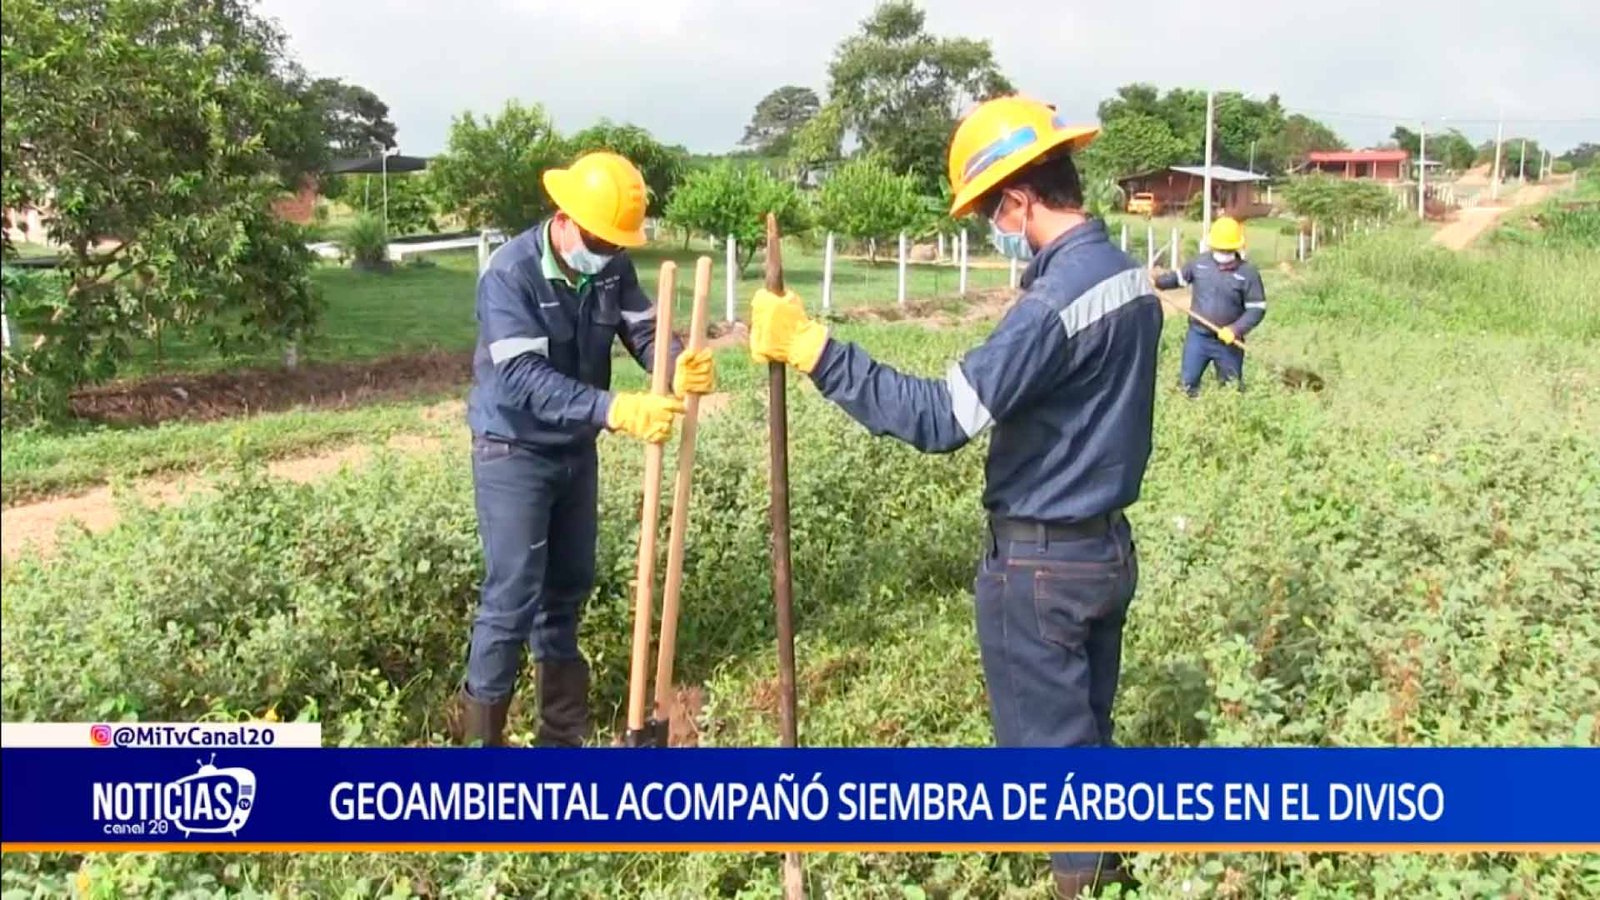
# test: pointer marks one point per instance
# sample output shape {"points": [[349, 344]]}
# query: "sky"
{"points": [[691, 71]]}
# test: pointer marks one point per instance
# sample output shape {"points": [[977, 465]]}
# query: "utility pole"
{"points": [[1211, 113], [1494, 177], [1422, 170]]}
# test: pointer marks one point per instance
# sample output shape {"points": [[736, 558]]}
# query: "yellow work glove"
{"points": [[780, 331], [647, 417], [1226, 336], [696, 373]]}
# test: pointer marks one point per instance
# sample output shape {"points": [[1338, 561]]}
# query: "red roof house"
{"points": [[1379, 165]]}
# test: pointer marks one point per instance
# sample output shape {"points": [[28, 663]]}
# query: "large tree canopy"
{"points": [[899, 89], [660, 164], [154, 135], [354, 120], [491, 169], [778, 117]]}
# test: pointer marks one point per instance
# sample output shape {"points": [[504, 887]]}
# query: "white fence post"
{"points": [[900, 291], [1013, 277], [1172, 255], [733, 278], [483, 250], [941, 246], [1150, 246], [827, 274], [961, 251], [1313, 237], [1300, 246], [1124, 237]]}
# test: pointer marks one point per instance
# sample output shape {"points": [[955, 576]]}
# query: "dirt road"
{"points": [[33, 527], [1473, 221]]}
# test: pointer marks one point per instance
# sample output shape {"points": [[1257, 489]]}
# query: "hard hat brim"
{"points": [[566, 194], [1074, 138]]}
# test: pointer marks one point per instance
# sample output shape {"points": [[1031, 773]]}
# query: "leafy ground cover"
{"points": [[1405, 557]]}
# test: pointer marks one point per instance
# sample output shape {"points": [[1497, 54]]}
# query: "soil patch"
{"points": [[240, 392]]}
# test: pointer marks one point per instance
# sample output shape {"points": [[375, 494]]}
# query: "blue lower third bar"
{"points": [[259, 799]]}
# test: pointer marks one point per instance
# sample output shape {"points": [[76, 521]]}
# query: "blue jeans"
{"points": [[1201, 348], [1050, 616], [537, 521]]}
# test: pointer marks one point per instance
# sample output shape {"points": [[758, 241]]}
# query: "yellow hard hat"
{"points": [[999, 138], [604, 194], [1226, 234]]}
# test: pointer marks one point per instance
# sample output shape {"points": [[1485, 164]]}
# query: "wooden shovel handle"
{"points": [[650, 514], [667, 650]]}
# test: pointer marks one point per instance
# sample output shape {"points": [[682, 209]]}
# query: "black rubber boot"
{"points": [[563, 703], [1090, 882], [474, 723]]}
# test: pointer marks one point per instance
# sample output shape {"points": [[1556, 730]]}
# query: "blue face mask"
{"points": [[1011, 244]]}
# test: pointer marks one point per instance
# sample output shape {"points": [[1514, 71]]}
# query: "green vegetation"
{"points": [[730, 199], [864, 200], [40, 462], [1404, 558], [366, 242], [157, 133]]}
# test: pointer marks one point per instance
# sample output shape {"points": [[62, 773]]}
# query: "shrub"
{"points": [[366, 242]]}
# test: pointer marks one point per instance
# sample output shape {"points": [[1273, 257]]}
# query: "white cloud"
{"points": [[692, 70]]}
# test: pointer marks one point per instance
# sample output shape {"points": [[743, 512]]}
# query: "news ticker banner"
{"points": [[944, 799]]}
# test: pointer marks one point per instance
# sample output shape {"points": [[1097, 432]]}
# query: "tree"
{"points": [[777, 117], [819, 141], [1581, 156], [1247, 130], [900, 89], [1453, 149], [355, 121], [1407, 140], [1326, 199], [490, 171], [1130, 144], [660, 164], [1512, 151], [866, 201], [154, 135], [1299, 136], [728, 199]]}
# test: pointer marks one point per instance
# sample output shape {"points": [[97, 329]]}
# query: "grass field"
{"points": [[1404, 558]]}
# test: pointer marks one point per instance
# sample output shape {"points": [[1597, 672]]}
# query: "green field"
{"points": [[1403, 558], [430, 306]]}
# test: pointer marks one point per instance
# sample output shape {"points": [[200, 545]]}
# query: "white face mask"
{"points": [[586, 261], [580, 258], [1223, 256]]}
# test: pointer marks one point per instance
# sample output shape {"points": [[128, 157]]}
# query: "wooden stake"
{"points": [[680, 512], [649, 517], [782, 588]]}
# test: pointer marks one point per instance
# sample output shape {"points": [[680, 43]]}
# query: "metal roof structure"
{"points": [[374, 165], [1221, 173]]}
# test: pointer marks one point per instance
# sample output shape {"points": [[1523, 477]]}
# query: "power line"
{"points": [[1385, 117]]}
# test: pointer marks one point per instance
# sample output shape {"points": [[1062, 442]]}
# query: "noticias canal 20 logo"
{"points": [[210, 801]]}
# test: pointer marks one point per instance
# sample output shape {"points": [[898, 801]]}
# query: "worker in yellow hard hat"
{"points": [[550, 303], [1067, 383], [1225, 290]]}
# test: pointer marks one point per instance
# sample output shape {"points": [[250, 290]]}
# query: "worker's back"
{"points": [[1081, 448]]}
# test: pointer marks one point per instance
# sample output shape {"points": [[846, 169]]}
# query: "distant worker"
{"points": [[550, 303], [1067, 381], [1225, 290]]}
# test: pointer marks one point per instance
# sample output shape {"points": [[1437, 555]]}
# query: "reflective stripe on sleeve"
{"points": [[970, 413], [506, 348]]}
